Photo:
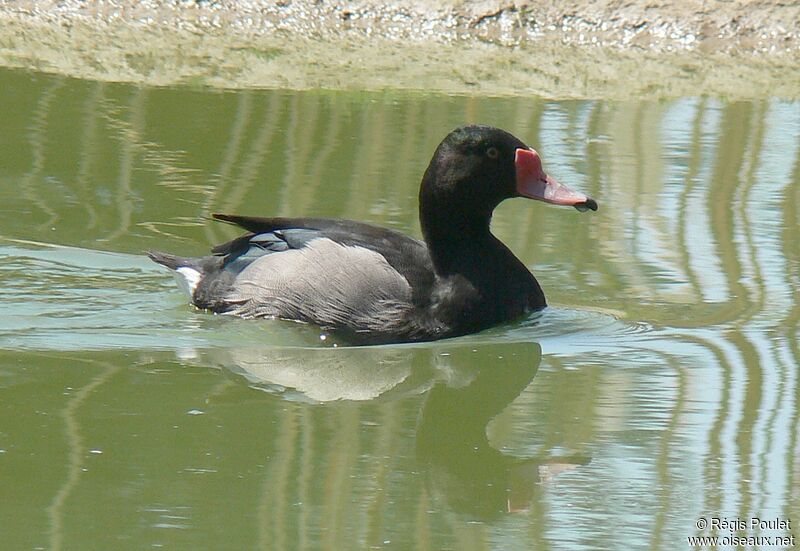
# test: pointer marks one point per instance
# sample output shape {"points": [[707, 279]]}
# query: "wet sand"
{"points": [[737, 49]]}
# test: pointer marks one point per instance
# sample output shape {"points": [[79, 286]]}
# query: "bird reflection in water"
{"points": [[475, 478], [464, 386]]}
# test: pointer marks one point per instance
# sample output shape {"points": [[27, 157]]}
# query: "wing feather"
{"points": [[325, 283]]}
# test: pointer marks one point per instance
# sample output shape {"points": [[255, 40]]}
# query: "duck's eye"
{"points": [[492, 153]]}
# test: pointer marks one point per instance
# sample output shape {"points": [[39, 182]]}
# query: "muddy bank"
{"points": [[578, 48]]}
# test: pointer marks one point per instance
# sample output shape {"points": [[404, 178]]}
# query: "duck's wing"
{"points": [[342, 275], [338, 274], [407, 256]]}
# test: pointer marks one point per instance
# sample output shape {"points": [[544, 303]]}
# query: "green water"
{"points": [[661, 386]]}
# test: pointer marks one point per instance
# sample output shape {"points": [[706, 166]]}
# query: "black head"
{"points": [[477, 167], [472, 170]]}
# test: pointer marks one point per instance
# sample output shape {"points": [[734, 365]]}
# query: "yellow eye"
{"points": [[492, 153]]}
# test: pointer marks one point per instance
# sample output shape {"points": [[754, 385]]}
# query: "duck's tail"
{"points": [[188, 272], [171, 261]]}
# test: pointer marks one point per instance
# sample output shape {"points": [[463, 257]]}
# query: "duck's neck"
{"points": [[455, 227], [455, 240]]}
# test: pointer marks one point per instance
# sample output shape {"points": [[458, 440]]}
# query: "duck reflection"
{"points": [[475, 478], [466, 385], [313, 374], [331, 374]]}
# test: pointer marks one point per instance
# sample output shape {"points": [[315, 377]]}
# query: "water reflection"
{"points": [[327, 374], [477, 479], [464, 386], [681, 378], [318, 375]]}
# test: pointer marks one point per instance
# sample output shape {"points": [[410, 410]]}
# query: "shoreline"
{"points": [[485, 48]]}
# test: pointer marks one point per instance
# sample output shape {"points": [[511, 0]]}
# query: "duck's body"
{"points": [[375, 285]]}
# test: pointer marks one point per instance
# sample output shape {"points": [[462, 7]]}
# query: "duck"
{"points": [[369, 284]]}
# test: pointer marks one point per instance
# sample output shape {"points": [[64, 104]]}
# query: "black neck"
{"points": [[453, 239], [454, 226]]}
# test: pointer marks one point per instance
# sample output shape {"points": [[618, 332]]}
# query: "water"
{"points": [[661, 386]]}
